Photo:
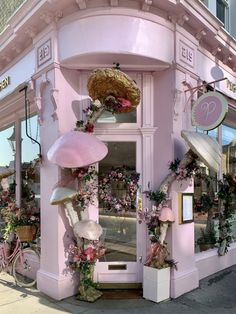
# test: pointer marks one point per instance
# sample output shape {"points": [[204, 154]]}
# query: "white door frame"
{"points": [[133, 270]]}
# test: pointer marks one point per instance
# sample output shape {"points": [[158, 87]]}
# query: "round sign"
{"points": [[209, 110]]}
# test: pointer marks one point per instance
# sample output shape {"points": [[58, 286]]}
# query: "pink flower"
{"points": [[124, 105]]}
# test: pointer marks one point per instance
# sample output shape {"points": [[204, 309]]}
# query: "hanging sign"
{"points": [[209, 111]]}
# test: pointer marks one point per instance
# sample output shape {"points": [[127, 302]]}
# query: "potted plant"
{"points": [[156, 272], [23, 220], [207, 240]]}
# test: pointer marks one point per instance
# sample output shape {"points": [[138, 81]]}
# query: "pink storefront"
{"points": [[167, 48]]}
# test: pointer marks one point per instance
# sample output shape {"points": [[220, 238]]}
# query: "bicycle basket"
{"points": [[26, 233]]}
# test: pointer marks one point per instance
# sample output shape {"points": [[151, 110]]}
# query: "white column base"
{"points": [[57, 287], [181, 283]]}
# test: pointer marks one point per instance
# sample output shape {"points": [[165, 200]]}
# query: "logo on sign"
{"points": [[44, 52], [209, 111], [186, 54]]}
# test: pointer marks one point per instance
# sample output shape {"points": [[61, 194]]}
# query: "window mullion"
{"points": [[18, 161]]}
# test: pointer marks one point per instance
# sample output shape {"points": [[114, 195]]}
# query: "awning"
{"points": [[206, 148]]}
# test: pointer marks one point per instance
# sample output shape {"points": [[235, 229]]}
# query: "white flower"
{"points": [[97, 103]]}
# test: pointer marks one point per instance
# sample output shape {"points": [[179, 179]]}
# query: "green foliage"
{"points": [[226, 193], [204, 204], [157, 196], [174, 165], [208, 236]]}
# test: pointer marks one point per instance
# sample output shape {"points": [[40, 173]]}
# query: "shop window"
{"points": [[7, 165], [117, 216], [229, 164], [206, 209], [30, 170]]}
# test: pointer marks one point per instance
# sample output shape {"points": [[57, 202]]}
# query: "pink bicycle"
{"points": [[21, 262]]}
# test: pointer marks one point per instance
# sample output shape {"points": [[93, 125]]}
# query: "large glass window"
{"points": [[7, 163], [30, 170], [7, 152], [118, 218], [206, 209]]}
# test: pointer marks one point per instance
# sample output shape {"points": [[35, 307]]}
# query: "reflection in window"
{"points": [[7, 152], [229, 149], [229, 163], [206, 211], [108, 117], [30, 170], [7, 163], [119, 224]]}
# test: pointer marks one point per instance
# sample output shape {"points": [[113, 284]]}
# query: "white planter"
{"points": [[156, 284]]}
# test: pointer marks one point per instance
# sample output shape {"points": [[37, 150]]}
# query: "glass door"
{"points": [[118, 181]]}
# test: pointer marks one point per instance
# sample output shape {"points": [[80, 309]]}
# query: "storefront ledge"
{"points": [[209, 262], [183, 282], [56, 287]]}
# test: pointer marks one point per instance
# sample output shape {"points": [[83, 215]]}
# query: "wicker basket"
{"points": [[26, 233]]}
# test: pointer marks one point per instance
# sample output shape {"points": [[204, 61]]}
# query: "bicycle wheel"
{"points": [[25, 267]]}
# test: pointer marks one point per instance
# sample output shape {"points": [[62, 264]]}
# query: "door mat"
{"points": [[123, 294]]}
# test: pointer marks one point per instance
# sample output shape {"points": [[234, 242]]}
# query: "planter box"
{"points": [[156, 284]]}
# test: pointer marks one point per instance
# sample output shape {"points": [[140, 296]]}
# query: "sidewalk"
{"points": [[217, 294]]}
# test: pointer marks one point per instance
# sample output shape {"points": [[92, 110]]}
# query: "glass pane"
{"points": [[229, 149], [229, 164], [30, 167], [220, 10], [118, 216], [7, 155], [7, 163], [108, 117], [206, 211]]}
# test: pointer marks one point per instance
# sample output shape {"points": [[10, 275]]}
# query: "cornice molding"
{"points": [[25, 24]]}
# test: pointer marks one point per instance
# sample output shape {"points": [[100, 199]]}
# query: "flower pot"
{"points": [[26, 233], [87, 289], [156, 284]]}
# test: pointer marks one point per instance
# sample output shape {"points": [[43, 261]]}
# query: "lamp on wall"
{"points": [[12, 141]]}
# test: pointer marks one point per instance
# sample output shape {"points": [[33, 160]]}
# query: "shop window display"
{"points": [[20, 207], [30, 165], [7, 164], [206, 189]]}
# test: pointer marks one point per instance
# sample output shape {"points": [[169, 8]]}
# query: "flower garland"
{"points": [[183, 172], [122, 181], [227, 195], [87, 178]]}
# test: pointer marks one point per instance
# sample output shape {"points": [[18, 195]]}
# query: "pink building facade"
{"points": [[167, 47]]}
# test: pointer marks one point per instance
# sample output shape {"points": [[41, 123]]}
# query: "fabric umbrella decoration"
{"points": [[88, 229], [77, 149], [205, 147], [64, 195], [166, 217]]}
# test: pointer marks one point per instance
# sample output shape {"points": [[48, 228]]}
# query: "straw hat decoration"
{"points": [[114, 89]]}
